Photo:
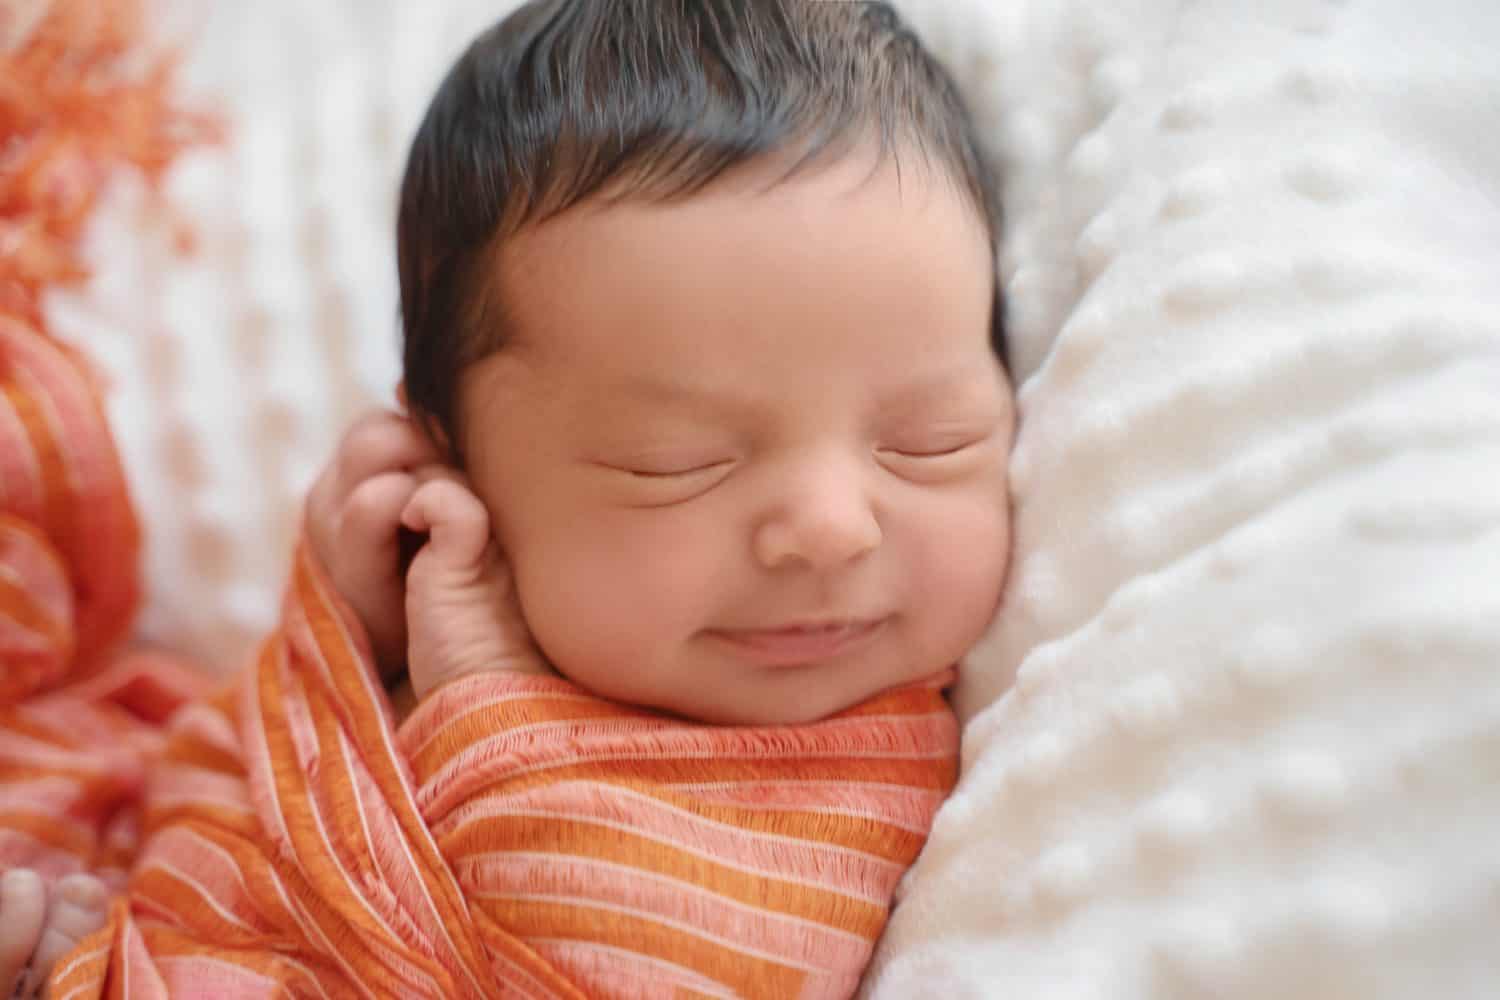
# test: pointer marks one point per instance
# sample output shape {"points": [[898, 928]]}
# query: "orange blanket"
{"points": [[79, 720], [515, 837], [81, 97]]}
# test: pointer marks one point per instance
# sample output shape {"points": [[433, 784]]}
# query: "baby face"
{"points": [[746, 454]]}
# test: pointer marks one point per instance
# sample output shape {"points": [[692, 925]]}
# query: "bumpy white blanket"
{"points": [[1237, 730]]}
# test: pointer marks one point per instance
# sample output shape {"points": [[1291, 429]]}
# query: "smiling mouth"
{"points": [[800, 645]]}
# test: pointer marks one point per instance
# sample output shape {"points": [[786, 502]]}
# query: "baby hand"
{"points": [[38, 928], [353, 523], [462, 613]]}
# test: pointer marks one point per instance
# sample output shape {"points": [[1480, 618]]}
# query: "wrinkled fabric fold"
{"points": [[515, 837], [81, 715]]}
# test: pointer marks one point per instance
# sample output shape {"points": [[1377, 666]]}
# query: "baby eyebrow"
{"points": [[656, 386], [699, 399], [950, 391]]}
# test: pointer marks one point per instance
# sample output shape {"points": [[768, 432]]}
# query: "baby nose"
{"points": [[828, 522]]}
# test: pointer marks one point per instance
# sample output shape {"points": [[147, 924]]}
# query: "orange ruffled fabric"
{"points": [[514, 837], [81, 715], [82, 95]]}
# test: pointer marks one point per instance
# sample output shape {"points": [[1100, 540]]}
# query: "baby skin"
{"points": [[461, 610], [703, 484], [460, 615], [38, 926], [452, 611]]}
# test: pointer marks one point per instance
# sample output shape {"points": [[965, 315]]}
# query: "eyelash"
{"points": [[696, 479], [669, 474], [937, 452], [670, 488], [665, 475], [928, 454]]}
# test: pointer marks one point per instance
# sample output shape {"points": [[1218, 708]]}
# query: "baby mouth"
{"points": [[801, 644]]}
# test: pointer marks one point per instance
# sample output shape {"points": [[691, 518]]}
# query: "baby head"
{"points": [[701, 295]]}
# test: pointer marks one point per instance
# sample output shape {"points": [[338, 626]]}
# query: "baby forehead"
{"points": [[621, 392], [850, 236], [865, 182]]}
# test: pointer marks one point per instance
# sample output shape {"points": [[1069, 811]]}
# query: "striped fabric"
{"points": [[68, 536], [640, 855], [74, 764], [79, 721], [514, 838]]}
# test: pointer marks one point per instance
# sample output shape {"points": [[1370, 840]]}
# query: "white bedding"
{"points": [[1237, 730]]}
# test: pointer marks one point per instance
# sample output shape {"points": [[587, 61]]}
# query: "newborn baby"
{"points": [[702, 305], [704, 452], [719, 420]]}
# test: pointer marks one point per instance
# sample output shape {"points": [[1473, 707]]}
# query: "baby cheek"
{"points": [[564, 600], [965, 558], [595, 603]]}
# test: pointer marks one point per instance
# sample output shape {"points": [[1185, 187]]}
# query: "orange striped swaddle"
{"points": [[515, 837], [83, 96], [79, 720]]}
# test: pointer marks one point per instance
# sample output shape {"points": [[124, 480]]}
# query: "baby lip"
{"points": [[820, 625], [800, 643]]}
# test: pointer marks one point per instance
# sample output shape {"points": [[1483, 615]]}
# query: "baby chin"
{"points": [[800, 674]]}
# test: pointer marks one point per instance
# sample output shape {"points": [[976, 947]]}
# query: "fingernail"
{"points": [[17, 879], [82, 891]]}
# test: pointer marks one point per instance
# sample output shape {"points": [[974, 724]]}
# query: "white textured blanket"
{"points": [[1237, 730]]}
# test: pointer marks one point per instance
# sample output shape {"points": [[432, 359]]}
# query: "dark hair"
{"points": [[568, 99]]}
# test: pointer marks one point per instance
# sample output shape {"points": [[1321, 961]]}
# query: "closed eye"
{"points": [[670, 473], [941, 449], [943, 458], [659, 484], [939, 452]]}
